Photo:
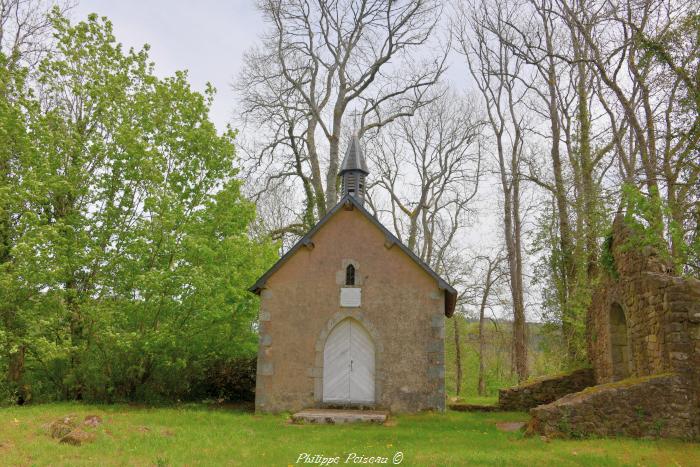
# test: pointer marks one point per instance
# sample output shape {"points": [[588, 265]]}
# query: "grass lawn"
{"points": [[476, 400], [198, 435]]}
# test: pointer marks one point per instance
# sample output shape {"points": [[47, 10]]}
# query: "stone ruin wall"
{"points": [[646, 322], [644, 346], [661, 313], [653, 406], [544, 390]]}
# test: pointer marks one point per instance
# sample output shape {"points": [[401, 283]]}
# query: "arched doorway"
{"points": [[348, 364], [619, 345]]}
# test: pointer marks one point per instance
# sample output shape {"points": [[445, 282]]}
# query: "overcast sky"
{"points": [[205, 37]]}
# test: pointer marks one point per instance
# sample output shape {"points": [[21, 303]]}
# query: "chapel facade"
{"points": [[350, 317]]}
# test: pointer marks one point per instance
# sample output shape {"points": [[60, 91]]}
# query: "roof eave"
{"points": [[353, 170], [450, 302]]}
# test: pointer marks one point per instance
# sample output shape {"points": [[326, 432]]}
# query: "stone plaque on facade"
{"points": [[350, 297]]}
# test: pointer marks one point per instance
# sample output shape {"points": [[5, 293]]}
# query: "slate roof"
{"points": [[450, 292], [354, 157]]}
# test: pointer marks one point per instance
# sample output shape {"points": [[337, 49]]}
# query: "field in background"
{"points": [[198, 435], [543, 354]]}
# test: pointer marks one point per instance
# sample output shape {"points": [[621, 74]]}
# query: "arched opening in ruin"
{"points": [[619, 343]]}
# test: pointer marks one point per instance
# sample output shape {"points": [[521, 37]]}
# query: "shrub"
{"points": [[231, 380]]}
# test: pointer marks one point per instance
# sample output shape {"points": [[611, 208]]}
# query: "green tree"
{"points": [[132, 252], [15, 149]]}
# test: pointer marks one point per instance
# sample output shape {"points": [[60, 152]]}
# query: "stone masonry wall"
{"points": [[662, 314], [402, 308], [644, 345], [655, 406], [544, 390]]}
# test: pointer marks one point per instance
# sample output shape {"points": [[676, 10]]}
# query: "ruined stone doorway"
{"points": [[619, 343]]}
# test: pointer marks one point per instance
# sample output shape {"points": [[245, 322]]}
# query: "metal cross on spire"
{"points": [[354, 114]]}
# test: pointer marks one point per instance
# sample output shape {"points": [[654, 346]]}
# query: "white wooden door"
{"points": [[348, 364], [361, 364], [336, 364]]}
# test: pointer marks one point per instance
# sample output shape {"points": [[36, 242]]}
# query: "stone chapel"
{"points": [[350, 317]]}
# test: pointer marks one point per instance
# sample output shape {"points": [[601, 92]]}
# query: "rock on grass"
{"points": [[92, 420], [61, 427], [78, 437], [67, 432]]}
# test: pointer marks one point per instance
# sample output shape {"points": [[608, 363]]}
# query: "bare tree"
{"points": [[486, 273], [497, 73], [494, 272], [428, 167], [619, 38], [275, 216], [559, 85], [427, 170], [25, 27], [318, 61]]}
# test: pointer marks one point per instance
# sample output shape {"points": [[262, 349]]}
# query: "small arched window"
{"points": [[350, 275]]}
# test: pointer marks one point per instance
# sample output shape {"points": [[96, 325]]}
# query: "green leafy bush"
{"points": [[607, 259], [228, 380]]}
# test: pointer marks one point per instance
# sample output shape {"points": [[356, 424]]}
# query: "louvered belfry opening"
{"points": [[354, 170], [349, 182]]}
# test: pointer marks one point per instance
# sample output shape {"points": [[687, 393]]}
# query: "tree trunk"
{"points": [[516, 261], [334, 142], [512, 239], [458, 356], [15, 374], [568, 265], [519, 324], [587, 172], [481, 387], [319, 194]]}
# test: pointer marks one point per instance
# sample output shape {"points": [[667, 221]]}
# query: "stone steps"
{"points": [[338, 416]]}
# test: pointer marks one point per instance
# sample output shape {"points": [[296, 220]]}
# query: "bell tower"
{"points": [[354, 170]]}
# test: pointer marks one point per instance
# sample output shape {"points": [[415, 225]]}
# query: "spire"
{"points": [[354, 157], [354, 170]]}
